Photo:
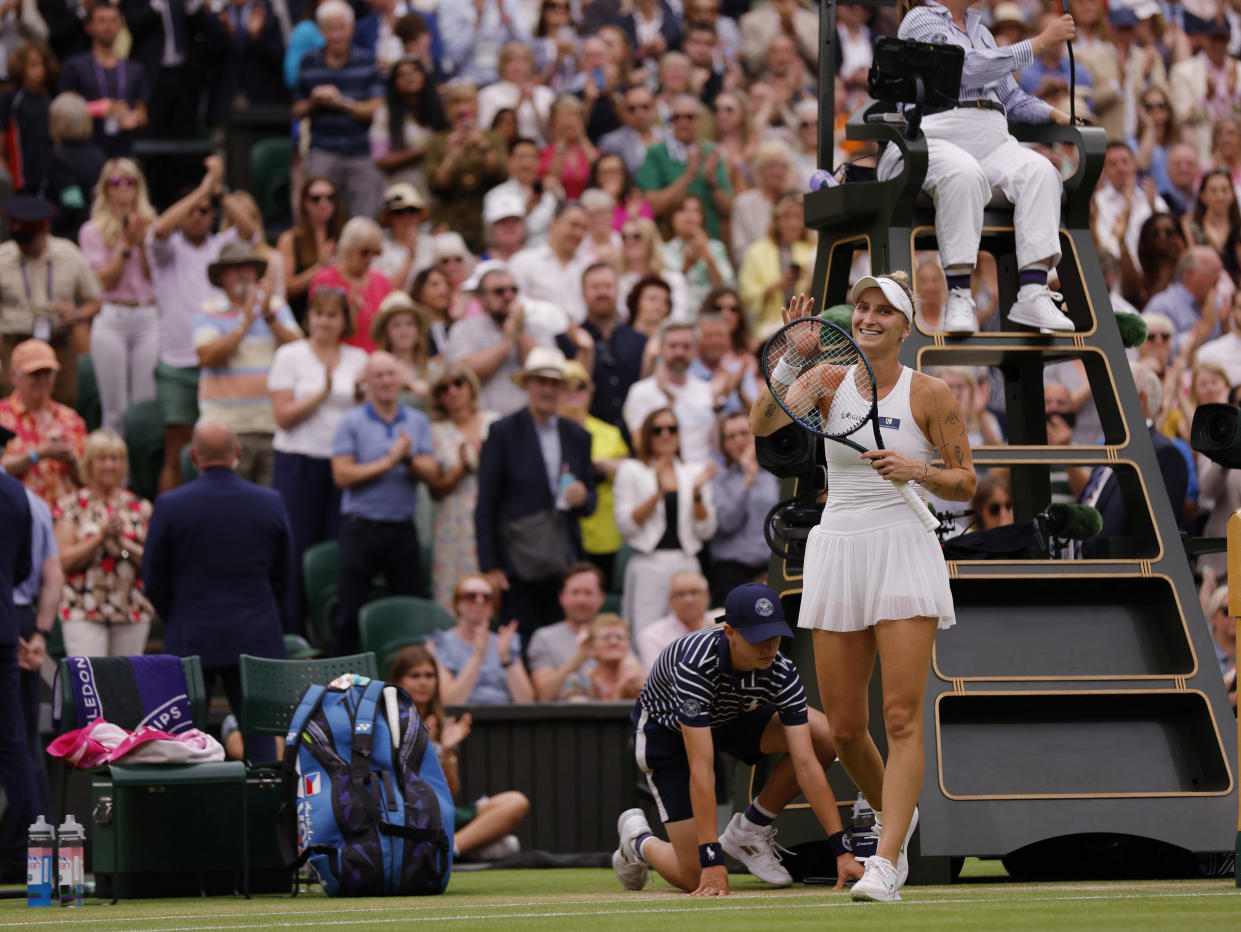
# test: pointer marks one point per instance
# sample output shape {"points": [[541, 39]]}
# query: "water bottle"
{"points": [[72, 834], [40, 857], [862, 833], [566, 479]]}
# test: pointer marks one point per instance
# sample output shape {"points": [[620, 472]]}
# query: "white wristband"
{"points": [[784, 374]]}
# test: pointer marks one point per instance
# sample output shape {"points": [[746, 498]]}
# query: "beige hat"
{"points": [[543, 362], [398, 302], [1009, 14], [574, 371], [402, 196], [233, 254]]}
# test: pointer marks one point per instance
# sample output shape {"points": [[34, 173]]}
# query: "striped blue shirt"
{"points": [[335, 130], [988, 70], [693, 683]]}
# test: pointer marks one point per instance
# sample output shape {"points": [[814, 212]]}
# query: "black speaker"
{"points": [[1216, 434], [788, 453]]}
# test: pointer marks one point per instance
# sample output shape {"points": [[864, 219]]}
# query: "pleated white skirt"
{"points": [[853, 579]]}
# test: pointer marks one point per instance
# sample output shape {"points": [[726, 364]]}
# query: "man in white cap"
{"points": [[523, 181], [504, 225], [535, 480]]}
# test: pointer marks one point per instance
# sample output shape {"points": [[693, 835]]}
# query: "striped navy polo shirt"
{"points": [[693, 683]]}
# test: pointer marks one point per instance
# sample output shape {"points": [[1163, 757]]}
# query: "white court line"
{"points": [[687, 908], [774, 894]]}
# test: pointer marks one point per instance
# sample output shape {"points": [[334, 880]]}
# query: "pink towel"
{"points": [[101, 742]]}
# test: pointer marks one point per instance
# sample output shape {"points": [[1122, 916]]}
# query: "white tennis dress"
{"points": [[870, 558]]}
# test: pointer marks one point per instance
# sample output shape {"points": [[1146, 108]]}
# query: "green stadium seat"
{"points": [[271, 689], [269, 169], [90, 407], [144, 435], [387, 625], [189, 472], [320, 574]]}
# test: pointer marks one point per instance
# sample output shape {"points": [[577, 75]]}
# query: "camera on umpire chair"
{"points": [[1216, 434], [789, 453]]}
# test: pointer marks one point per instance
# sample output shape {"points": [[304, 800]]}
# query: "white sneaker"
{"points": [[497, 850], [1036, 307], [960, 319], [878, 884], [629, 867], [757, 850]]}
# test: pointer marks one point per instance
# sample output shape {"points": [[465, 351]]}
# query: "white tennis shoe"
{"points": [[902, 861], [1036, 306], [629, 867], [757, 850], [878, 884], [960, 319]]}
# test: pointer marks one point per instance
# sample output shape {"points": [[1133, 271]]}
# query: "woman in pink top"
{"points": [[361, 241], [124, 338], [564, 164]]}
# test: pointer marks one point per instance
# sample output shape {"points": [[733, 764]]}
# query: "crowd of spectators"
{"points": [[534, 248]]}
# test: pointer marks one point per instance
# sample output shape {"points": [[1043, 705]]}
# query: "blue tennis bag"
{"points": [[372, 819]]}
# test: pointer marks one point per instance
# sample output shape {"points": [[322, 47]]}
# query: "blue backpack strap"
{"points": [[364, 732], [307, 707]]}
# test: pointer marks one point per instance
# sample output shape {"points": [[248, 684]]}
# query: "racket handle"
{"points": [[929, 521], [394, 715]]}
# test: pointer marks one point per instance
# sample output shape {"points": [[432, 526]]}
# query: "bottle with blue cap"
{"points": [[40, 861]]}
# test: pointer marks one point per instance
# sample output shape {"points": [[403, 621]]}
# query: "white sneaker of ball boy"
{"points": [[727, 687], [882, 881]]}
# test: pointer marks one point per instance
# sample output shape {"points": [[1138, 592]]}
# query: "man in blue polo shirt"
{"points": [[381, 451], [727, 687], [339, 87]]}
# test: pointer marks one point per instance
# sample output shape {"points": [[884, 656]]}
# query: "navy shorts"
{"points": [[660, 753]]}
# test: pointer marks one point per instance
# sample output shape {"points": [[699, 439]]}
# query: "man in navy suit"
{"points": [[533, 461], [217, 563], [16, 775], [1104, 492]]}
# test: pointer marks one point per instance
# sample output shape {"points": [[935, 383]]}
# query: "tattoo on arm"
{"points": [[771, 410], [954, 417]]}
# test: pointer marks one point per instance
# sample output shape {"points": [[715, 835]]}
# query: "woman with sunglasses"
{"points": [[311, 384], [458, 429], [666, 510], [124, 337], [482, 827], [1158, 131], [477, 666], [642, 257], [727, 302], [993, 502], [361, 242], [310, 245]]}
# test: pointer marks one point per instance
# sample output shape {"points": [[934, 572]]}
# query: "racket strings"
{"points": [[815, 397]]}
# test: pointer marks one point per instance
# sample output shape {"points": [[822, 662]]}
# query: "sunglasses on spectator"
{"points": [[403, 211], [503, 289], [452, 258], [1157, 335], [684, 116], [451, 383], [320, 198], [370, 251], [637, 108], [475, 595], [204, 211], [618, 636], [996, 507], [728, 307], [1155, 105], [632, 236], [659, 429], [122, 181]]}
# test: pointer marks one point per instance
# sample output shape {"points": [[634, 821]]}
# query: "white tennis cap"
{"points": [[895, 294]]}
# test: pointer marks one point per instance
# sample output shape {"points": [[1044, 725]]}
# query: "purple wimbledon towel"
{"points": [[130, 692]]}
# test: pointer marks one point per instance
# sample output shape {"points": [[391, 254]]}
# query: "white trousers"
{"points": [[971, 157], [124, 346], [644, 596], [92, 639]]}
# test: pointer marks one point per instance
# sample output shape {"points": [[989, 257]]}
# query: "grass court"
{"points": [[592, 899]]}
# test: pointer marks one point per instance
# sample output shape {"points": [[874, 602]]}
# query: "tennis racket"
{"points": [[825, 383]]}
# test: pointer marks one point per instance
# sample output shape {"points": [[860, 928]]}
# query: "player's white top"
{"points": [[854, 489]]}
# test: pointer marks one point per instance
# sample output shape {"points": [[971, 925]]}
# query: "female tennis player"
{"points": [[875, 582]]}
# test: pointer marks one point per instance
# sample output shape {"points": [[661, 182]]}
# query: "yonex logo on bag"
{"points": [[764, 608], [364, 727]]}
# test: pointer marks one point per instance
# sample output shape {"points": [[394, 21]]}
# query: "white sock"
{"points": [[1026, 292]]}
